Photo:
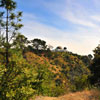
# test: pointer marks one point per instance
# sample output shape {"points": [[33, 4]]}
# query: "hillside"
{"points": [[67, 71], [33, 71]]}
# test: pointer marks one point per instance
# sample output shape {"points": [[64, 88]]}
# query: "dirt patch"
{"points": [[46, 98], [85, 95]]}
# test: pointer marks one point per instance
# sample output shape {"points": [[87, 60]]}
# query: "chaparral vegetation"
{"points": [[30, 68]]}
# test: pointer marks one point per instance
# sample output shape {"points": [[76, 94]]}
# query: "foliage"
{"points": [[45, 83], [20, 42], [39, 44], [74, 69], [15, 81], [95, 67], [11, 24]]}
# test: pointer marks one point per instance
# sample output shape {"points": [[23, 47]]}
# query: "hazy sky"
{"points": [[71, 23]]}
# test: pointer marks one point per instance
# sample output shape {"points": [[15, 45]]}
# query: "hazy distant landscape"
{"points": [[49, 51]]}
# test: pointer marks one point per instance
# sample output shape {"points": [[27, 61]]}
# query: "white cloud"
{"points": [[96, 18], [29, 16], [72, 11], [74, 19]]}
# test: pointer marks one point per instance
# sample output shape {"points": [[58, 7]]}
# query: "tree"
{"points": [[20, 42], [95, 67], [9, 26], [9, 23], [16, 83], [90, 56], [39, 44]]}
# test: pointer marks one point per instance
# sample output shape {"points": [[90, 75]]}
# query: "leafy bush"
{"points": [[15, 80]]}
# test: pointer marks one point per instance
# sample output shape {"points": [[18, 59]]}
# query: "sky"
{"points": [[74, 24]]}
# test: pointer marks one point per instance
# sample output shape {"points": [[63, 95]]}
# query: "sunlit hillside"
{"points": [[49, 50]]}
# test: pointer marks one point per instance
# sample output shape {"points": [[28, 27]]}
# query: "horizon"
{"points": [[68, 23]]}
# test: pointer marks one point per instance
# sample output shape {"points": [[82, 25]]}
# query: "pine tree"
{"points": [[9, 24]]}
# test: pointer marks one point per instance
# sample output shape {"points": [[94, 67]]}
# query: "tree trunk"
{"points": [[7, 45]]}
